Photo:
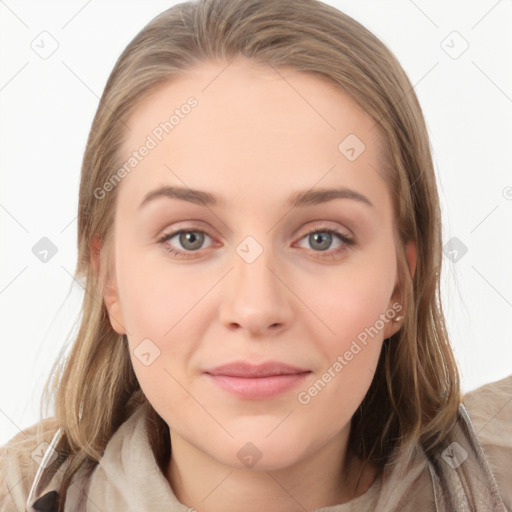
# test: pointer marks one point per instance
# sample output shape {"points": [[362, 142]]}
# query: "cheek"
{"points": [[164, 315], [155, 293], [352, 310], [352, 305], [355, 295]]}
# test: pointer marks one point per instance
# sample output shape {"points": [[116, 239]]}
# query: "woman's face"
{"points": [[256, 277]]}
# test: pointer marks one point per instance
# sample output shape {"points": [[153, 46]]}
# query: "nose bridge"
{"points": [[252, 264], [256, 299]]}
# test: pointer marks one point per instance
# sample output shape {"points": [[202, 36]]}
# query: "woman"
{"points": [[223, 361]]}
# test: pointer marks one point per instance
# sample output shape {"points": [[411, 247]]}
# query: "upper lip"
{"points": [[244, 369]]}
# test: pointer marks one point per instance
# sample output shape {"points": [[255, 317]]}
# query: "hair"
{"points": [[415, 393]]}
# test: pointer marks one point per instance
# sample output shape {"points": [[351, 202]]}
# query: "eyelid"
{"points": [[196, 228], [192, 229], [346, 239], [326, 227]]}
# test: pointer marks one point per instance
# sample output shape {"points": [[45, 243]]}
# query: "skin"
{"points": [[255, 137]]}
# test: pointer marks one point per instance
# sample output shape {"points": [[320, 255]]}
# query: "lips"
{"points": [[256, 382], [247, 370]]}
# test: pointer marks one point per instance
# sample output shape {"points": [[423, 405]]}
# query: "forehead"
{"points": [[241, 128]]}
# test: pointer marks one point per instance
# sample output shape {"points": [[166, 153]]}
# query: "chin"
{"points": [[259, 453]]}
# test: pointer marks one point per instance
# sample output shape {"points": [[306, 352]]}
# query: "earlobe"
{"points": [[396, 323], [113, 306], [111, 296]]}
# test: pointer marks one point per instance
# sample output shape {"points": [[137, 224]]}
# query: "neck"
{"points": [[329, 477]]}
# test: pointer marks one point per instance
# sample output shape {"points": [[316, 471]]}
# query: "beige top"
{"points": [[469, 475]]}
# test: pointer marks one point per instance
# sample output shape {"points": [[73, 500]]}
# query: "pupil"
{"points": [[191, 238], [327, 238]]}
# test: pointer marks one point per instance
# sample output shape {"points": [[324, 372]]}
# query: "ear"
{"points": [[111, 297], [411, 254], [393, 326]]}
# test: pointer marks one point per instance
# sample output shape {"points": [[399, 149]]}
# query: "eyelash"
{"points": [[348, 242]]}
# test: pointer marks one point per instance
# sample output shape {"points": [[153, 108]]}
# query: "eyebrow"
{"points": [[298, 199]]}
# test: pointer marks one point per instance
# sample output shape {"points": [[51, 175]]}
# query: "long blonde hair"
{"points": [[415, 393]]}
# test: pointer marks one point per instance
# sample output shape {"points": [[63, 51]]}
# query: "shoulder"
{"points": [[20, 458], [490, 410]]}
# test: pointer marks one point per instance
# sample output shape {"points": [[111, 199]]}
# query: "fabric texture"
{"points": [[472, 473]]}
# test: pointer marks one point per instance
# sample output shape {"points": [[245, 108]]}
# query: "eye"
{"points": [[320, 239], [190, 240]]}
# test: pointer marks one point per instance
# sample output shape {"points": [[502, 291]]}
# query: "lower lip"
{"points": [[258, 387]]}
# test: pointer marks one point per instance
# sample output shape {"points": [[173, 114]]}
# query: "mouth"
{"points": [[262, 381]]}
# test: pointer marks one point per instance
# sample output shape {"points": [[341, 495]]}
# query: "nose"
{"points": [[256, 297]]}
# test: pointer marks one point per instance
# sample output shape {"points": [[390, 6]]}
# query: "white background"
{"points": [[47, 106]]}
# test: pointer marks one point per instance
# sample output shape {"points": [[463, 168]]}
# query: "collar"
{"points": [[457, 478]]}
